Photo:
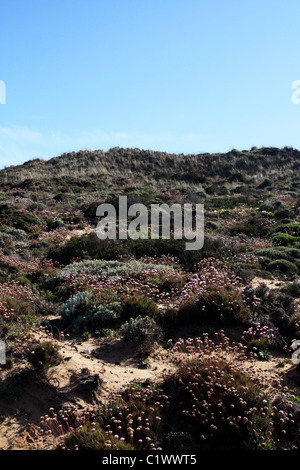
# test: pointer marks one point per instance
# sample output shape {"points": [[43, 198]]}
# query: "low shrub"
{"points": [[101, 268], [282, 267], [111, 269], [44, 355], [274, 257], [89, 246], [223, 305], [282, 252], [11, 216], [92, 437], [128, 422], [273, 308], [293, 288], [75, 306], [292, 228], [284, 239], [82, 313], [214, 399], [139, 305], [142, 332], [283, 214]]}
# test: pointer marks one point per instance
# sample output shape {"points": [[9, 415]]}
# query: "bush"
{"points": [[293, 288], [91, 437], [273, 308], [284, 239], [57, 223], [13, 217], [98, 318], [291, 228], [224, 305], [287, 253], [266, 207], [136, 305], [142, 332], [89, 246], [283, 252], [108, 268], [75, 306], [44, 355], [282, 266], [81, 312], [283, 214], [210, 396], [254, 227]]}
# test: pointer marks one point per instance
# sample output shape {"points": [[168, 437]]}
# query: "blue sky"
{"points": [[182, 76]]}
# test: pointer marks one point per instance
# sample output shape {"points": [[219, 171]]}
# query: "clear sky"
{"points": [[182, 76]]}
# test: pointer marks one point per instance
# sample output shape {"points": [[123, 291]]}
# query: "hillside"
{"points": [[183, 340], [234, 166]]}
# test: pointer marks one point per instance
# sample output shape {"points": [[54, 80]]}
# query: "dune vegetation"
{"points": [[142, 344]]}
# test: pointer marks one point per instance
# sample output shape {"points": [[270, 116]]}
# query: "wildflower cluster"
{"points": [[64, 421], [144, 283], [257, 332], [136, 418], [6, 313], [210, 273], [214, 293], [219, 398], [27, 267], [13, 290], [129, 422]]}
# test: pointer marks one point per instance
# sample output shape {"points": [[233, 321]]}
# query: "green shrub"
{"points": [[210, 224], [284, 239], [57, 223], [224, 305], [266, 207], [292, 228], [142, 332], [89, 246], [91, 437], [101, 268], [136, 305], [5, 239], [98, 318], [283, 214], [75, 306], [44, 355], [16, 233], [282, 266], [109, 268], [255, 226], [293, 288], [11, 216], [83, 314], [287, 253]]}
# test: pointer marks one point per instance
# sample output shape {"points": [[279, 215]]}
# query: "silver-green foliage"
{"points": [[140, 329], [82, 314], [110, 269]]}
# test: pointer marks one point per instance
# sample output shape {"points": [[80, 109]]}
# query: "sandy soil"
{"points": [[270, 283], [91, 373]]}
